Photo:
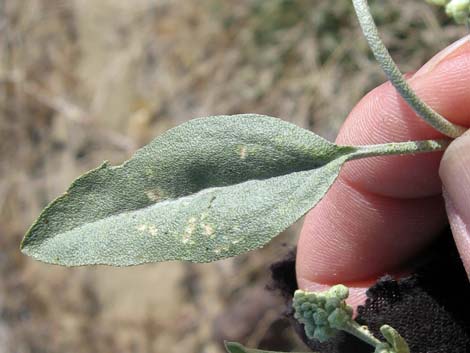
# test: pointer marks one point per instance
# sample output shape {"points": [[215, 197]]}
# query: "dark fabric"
{"points": [[430, 309]]}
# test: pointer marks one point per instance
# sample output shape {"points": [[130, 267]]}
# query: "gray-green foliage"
{"points": [[457, 9], [396, 342], [209, 189], [218, 187], [393, 73], [322, 314], [234, 347]]}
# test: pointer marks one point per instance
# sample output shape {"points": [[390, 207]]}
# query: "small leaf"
{"points": [[234, 347], [208, 189], [396, 341]]}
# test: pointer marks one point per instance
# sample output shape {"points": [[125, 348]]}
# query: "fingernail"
{"points": [[455, 175], [459, 47], [460, 231]]}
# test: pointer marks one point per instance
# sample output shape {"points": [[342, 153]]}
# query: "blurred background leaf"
{"points": [[82, 81]]}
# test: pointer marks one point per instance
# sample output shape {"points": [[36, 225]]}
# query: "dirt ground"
{"points": [[83, 81]]}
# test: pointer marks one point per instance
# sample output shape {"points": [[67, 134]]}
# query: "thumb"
{"points": [[455, 174]]}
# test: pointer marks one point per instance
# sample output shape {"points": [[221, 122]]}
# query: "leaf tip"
{"points": [[234, 347], [27, 246], [25, 242]]}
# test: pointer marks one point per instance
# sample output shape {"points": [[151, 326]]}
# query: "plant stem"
{"points": [[395, 76], [361, 332], [399, 148]]}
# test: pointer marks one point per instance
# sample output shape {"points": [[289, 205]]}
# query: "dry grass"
{"points": [[82, 81]]}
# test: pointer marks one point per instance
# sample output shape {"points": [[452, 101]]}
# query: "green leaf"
{"points": [[234, 347], [396, 341], [206, 190]]}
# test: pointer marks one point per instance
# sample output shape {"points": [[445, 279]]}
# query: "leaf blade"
{"points": [[107, 215], [277, 208]]}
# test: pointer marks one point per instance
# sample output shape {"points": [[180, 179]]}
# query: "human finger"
{"points": [[383, 211]]}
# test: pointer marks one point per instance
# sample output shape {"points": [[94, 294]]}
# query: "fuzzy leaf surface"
{"points": [[208, 189]]}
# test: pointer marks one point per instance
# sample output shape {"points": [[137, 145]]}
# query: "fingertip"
{"points": [[384, 211]]}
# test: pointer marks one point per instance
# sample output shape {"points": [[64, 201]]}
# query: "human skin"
{"points": [[382, 212]]}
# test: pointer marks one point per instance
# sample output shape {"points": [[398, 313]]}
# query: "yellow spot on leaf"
{"points": [[221, 249], [153, 195], [142, 227], [153, 230], [189, 230], [242, 152], [208, 230]]}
